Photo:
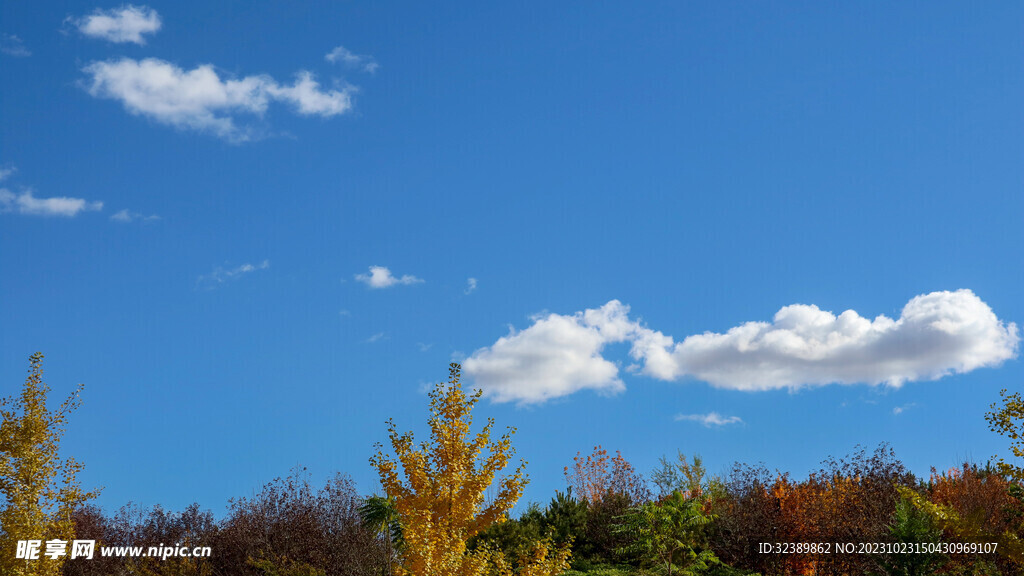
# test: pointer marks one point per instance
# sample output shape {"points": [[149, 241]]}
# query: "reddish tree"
{"points": [[598, 475], [982, 499]]}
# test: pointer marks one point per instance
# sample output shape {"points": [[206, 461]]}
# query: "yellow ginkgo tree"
{"points": [[38, 489], [441, 502]]}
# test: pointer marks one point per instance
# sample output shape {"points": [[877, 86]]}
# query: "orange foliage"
{"points": [[848, 500], [980, 495]]}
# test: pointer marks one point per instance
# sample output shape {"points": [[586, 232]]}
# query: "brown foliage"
{"points": [[290, 525], [849, 500], [91, 524], [288, 528], [977, 494], [134, 526], [748, 514], [597, 475], [982, 500]]}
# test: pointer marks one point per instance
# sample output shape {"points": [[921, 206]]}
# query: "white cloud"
{"points": [[13, 46], [199, 99], [381, 277], [710, 419], [936, 334], [344, 56], [470, 285], [26, 203], [125, 24], [221, 275], [375, 338], [423, 347], [556, 356], [308, 99], [129, 216]]}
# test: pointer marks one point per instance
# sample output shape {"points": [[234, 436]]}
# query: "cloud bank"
{"points": [[200, 100], [381, 277], [937, 334], [125, 24]]}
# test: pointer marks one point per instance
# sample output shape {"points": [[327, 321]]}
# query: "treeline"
{"points": [[718, 525], [288, 529], [679, 520]]}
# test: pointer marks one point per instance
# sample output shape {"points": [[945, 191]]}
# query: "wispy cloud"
{"points": [[423, 347], [710, 419], [13, 46], [375, 338], [220, 275], [901, 409], [26, 203], [470, 286], [380, 277], [125, 24], [344, 56], [936, 334], [127, 216], [200, 100]]}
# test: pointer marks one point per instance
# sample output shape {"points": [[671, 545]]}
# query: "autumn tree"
{"points": [[848, 500], [852, 500], [610, 486], [973, 504], [441, 502], [92, 524], [40, 490], [749, 514], [598, 475], [191, 528], [1008, 420], [292, 528]]}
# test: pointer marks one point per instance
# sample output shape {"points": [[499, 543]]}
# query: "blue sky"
{"points": [[255, 231]]}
